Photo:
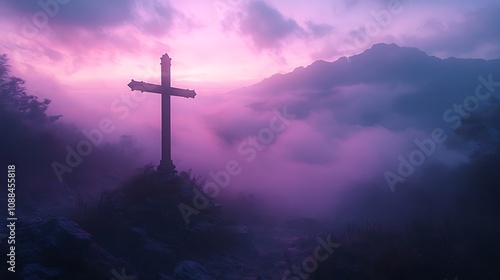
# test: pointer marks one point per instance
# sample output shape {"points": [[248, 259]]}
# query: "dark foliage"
{"points": [[33, 141]]}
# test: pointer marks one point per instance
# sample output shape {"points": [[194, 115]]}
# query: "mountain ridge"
{"points": [[404, 63]]}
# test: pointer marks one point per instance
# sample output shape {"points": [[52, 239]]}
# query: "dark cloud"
{"points": [[266, 25], [160, 18], [351, 3], [91, 23], [319, 30], [82, 31], [477, 30], [89, 14], [53, 54]]}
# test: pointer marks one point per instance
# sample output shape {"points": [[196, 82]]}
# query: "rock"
{"points": [[162, 276], [102, 265], [190, 270], [242, 238], [58, 240], [36, 271], [158, 256], [240, 230], [198, 233], [138, 235], [301, 223], [47, 249]]}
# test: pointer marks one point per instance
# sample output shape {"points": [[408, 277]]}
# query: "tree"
{"points": [[15, 100]]}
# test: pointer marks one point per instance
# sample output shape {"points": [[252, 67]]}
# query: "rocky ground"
{"points": [[137, 232]]}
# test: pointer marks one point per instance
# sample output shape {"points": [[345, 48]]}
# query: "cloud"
{"points": [[81, 29], [155, 18], [266, 26], [158, 18], [477, 30], [91, 14], [388, 92], [319, 30]]}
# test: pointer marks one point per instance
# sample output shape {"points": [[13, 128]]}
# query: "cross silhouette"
{"points": [[166, 165]]}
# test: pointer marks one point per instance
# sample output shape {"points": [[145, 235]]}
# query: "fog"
{"points": [[304, 142]]}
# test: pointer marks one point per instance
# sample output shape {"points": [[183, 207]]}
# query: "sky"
{"points": [[82, 54], [79, 40]]}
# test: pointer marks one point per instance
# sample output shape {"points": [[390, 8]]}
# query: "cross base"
{"points": [[166, 167]]}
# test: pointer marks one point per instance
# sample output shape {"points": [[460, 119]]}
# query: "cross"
{"points": [[166, 164]]}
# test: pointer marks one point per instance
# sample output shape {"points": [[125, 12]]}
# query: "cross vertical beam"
{"points": [[166, 163]]}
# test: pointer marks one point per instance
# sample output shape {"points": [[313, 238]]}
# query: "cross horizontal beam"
{"points": [[142, 86]]}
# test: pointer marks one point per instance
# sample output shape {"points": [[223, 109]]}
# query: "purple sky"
{"points": [[207, 39]]}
